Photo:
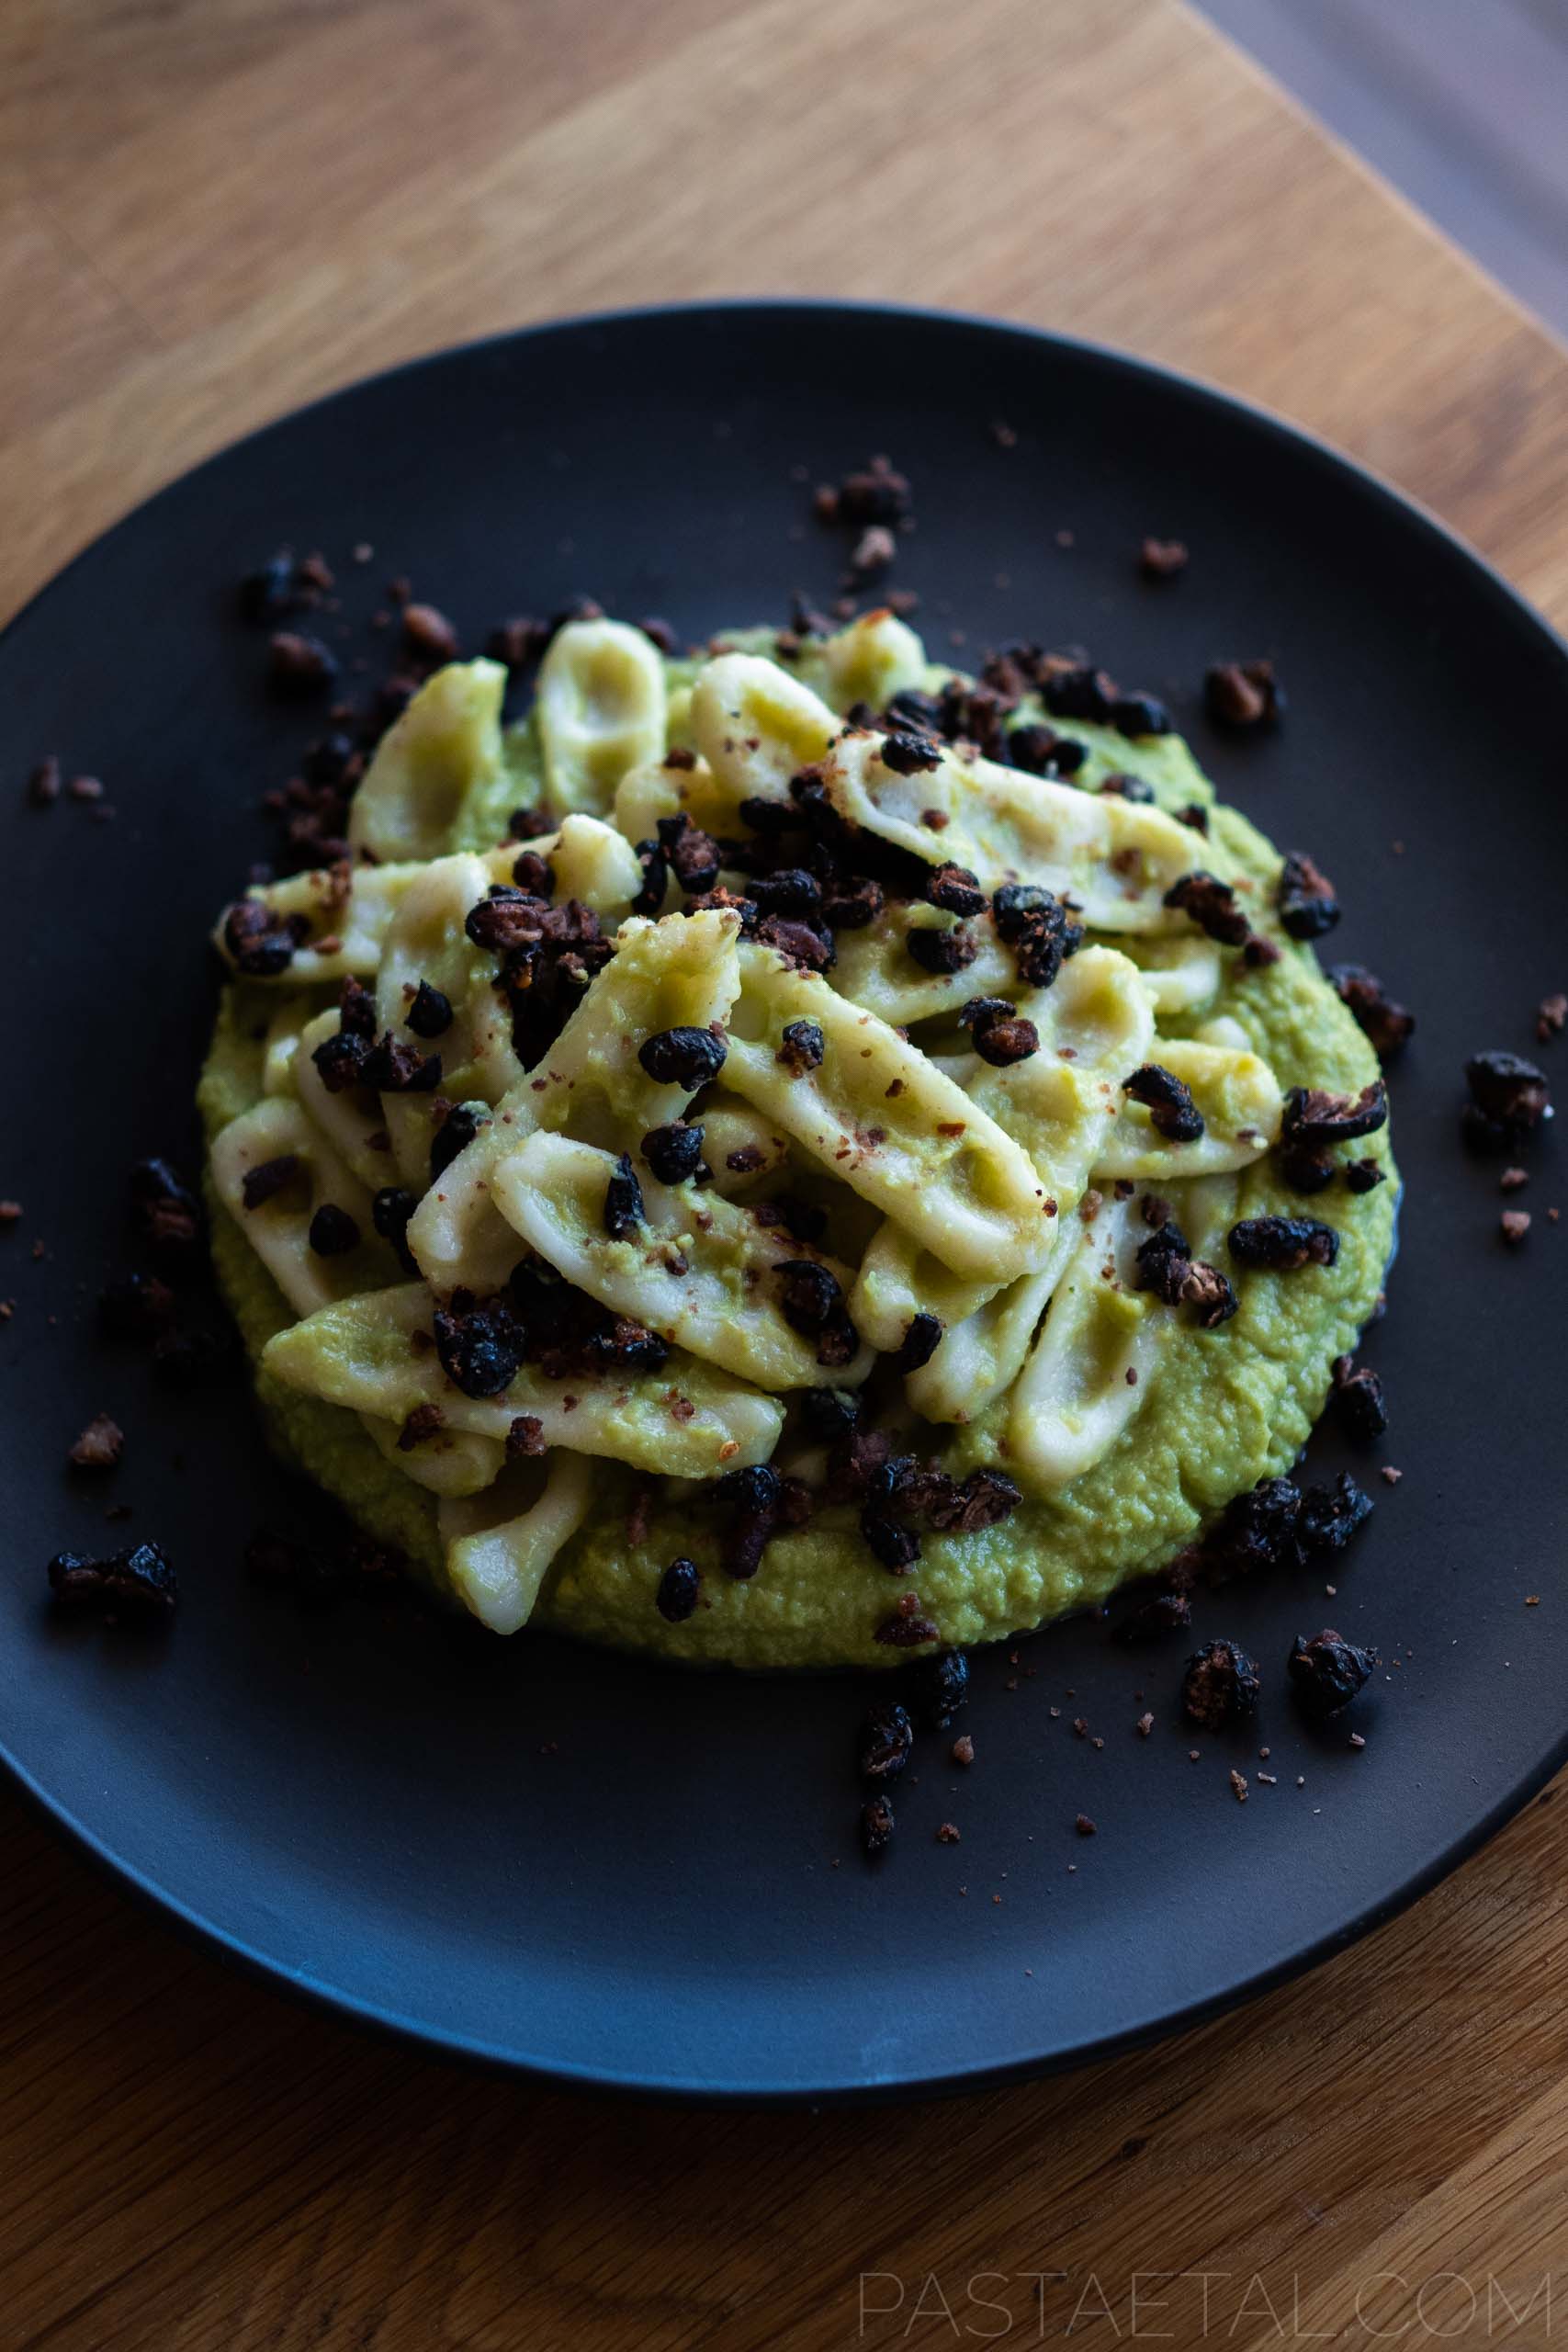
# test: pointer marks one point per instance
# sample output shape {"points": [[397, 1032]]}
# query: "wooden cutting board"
{"points": [[212, 209]]}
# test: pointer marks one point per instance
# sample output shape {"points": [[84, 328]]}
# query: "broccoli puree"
{"points": [[1224, 1408]]}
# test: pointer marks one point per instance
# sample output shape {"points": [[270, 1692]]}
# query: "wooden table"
{"points": [[210, 210]]}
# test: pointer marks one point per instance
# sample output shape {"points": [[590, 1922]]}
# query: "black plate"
{"points": [[617, 1873]]}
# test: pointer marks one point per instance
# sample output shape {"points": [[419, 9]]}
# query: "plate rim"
{"points": [[470, 2051], [1201, 389], [449, 2045]]}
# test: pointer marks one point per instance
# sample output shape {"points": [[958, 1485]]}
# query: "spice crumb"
{"points": [[1357, 1740], [947, 1834], [1162, 559], [1532, 1600], [1144, 1725], [10, 1212], [1516, 1225], [1084, 1826], [100, 1445], [963, 1749], [1239, 1786], [44, 785], [1391, 1476]]}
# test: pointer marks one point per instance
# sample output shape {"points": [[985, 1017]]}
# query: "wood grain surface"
{"points": [[211, 210], [1471, 130]]}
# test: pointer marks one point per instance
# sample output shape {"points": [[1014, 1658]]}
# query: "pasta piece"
{"points": [[589, 859], [1088, 1372], [277, 1227], [656, 789], [983, 1355], [898, 1280], [1094, 1025], [594, 863], [1115, 858], [427, 941], [679, 973], [278, 1231], [700, 1271], [743, 1149], [289, 1016], [1183, 970], [1238, 1098], [645, 793], [500, 1548], [878, 1117], [601, 708], [348, 914], [756, 726], [1097, 1011], [877, 971], [444, 748], [876, 657], [1224, 1030], [349, 1121], [1205, 1209], [684, 1420], [452, 1462]]}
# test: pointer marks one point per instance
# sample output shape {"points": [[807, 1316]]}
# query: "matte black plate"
{"points": [[618, 1873]]}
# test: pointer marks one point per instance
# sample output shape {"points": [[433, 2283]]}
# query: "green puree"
{"points": [[1223, 1408]]}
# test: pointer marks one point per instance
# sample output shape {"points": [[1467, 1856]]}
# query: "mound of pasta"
{"points": [[768, 1160]]}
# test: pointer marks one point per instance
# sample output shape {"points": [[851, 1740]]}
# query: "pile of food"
{"points": [[793, 1156]]}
